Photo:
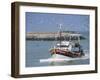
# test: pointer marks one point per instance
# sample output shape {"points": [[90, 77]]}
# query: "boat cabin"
{"points": [[64, 45]]}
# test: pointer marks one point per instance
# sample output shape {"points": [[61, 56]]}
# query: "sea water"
{"points": [[38, 50]]}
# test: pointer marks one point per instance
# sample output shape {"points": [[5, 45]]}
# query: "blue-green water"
{"points": [[36, 50]]}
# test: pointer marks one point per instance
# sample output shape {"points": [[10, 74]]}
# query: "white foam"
{"points": [[60, 58]]}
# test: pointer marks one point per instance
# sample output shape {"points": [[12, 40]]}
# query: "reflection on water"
{"points": [[37, 50]]}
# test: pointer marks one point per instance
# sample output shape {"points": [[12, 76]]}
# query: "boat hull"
{"points": [[72, 54]]}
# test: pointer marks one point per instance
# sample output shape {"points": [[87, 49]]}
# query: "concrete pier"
{"points": [[53, 36]]}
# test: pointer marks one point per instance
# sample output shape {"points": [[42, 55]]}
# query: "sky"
{"points": [[49, 22]]}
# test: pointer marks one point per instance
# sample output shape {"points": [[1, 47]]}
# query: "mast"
{"points": [[60, 34], [79, 39]]}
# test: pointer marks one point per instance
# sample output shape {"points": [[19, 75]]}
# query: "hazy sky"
{"points": [[49, 22]]}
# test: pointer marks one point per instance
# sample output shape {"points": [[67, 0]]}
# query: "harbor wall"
{"points": [[53, 36]]}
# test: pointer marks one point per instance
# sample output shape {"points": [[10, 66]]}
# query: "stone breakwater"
{"points": [[53, 36]]}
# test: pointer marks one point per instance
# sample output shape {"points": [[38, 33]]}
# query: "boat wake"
{"points": [[61, 58]]}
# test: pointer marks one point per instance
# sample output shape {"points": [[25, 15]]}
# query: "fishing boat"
{"points": [[70, 48]]}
